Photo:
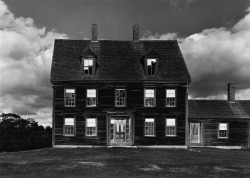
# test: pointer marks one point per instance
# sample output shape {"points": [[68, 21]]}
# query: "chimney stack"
{"points": [[136, 32], [231, 92], [94, 32]]}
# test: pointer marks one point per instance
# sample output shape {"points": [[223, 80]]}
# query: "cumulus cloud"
{"points": [[217, 56], [25, 62]]}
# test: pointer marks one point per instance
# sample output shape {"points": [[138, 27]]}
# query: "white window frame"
{"points": [[119, 99], [148, 96], [91, 97], [170, 97], [223, 128], [91, 127], [69, 126], [171, 127], [87, 64], [149, 126], [69, 97]]}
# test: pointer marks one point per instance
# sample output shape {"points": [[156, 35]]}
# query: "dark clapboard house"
{"points": [[220, 123], [135, 93], [119, 93]]}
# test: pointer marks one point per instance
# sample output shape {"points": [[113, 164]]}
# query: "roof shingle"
{"points": [[208, 109], [118, 60]]}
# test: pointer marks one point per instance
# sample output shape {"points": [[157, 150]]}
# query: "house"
{"points": [[119, 93], [220, 123]]}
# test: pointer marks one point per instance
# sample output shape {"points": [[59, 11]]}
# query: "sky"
{"points": [[214, 37]]}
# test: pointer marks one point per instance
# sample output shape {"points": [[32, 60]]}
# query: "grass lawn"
{"points": [[122, 162]]}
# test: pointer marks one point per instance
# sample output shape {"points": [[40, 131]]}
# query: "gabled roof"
{"points": [[118, 61], [211, 109]]}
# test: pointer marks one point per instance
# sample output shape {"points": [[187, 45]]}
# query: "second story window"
{"points": [[120, 97], [88, 66], [170, 98], [91, 97], [149, 98], [151, 64], [69, 97]]}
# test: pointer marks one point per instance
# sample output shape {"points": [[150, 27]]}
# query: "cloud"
{"points": [[147, 35], [217, 56], [25, 62]]}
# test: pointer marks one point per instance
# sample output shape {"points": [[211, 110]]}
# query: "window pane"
{"points": [[91, 92], [170, 93], [69, 126], [170, 122], [70, 90], [223, 126], [149, 92]]}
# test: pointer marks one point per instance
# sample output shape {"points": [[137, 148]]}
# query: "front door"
{"points": [[195, 133], [120, 130]]}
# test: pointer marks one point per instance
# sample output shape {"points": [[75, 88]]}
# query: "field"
{"points": [[122, 162]]}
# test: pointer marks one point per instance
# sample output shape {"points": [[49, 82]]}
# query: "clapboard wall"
{"points": [[106, 105]]}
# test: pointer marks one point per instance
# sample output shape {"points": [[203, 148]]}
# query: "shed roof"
{"points": [[118, 60], [209, 109]]}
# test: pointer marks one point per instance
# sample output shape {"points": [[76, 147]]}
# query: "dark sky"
{"points": [[115, 18], [213, 36]]}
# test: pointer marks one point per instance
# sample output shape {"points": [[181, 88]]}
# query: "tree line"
{"points": [[18, 134]]}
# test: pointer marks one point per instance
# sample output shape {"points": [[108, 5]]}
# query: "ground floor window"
{"points": [[223, 130], [91, 127], [149, 126], [171, 127], [69, 126]]}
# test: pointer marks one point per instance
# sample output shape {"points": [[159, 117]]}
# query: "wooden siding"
{"points": [[106, 106], [238, 132]]}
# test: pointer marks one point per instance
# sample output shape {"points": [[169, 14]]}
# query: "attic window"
{"points": [[151, 63], [88, 66]]}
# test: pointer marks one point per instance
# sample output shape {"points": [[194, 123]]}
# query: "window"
{"points": [[91, 127], [170, 127], [88, 66], [120, 97], [170, 98], [149, 127], [91, 97], [69, 97], [151, 63], [223, 130], [149, 99], [69, 126]]}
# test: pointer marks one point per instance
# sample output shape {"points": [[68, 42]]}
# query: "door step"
{"points": [[121, 146]]}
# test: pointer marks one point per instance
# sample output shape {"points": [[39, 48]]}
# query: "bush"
{"points": [[18, 134]]}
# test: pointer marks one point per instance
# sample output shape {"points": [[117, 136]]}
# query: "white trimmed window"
{"points": [[91, 97], [91, 127], [69, 97], [151, 65], [171, 127], [223, 130], [88, 66], [170, 98], [149, 126], [120, 97], [69, 126], [149, 97]]}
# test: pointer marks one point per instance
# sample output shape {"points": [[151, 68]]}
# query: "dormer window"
{"points": [[151, 64], [88, 66]]}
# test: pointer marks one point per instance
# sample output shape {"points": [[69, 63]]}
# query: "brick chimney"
{"points": [[231, 92], [136, 32], [94, 32]]}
